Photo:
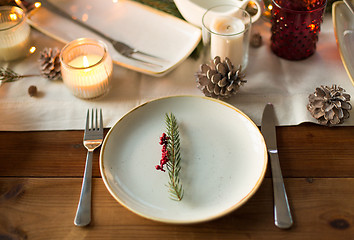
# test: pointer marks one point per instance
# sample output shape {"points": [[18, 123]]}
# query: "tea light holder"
{"points": [[86, 68], [14, 34]]}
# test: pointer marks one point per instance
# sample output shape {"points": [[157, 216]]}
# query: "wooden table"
{"points": [[41, 175]]}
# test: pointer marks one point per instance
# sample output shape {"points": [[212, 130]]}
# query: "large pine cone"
{"points": [[329, 105], [50, 63], [221, 79]]}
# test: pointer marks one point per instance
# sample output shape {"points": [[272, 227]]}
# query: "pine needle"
{"points": [[8, 75], [173, 165]]}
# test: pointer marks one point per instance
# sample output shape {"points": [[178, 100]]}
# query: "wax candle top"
{"points": [[85, 61], [227, 25]]}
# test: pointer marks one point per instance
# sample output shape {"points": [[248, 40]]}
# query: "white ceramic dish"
{"points": [[224, 159], [193, 10], [138, 25], [343, 22]]}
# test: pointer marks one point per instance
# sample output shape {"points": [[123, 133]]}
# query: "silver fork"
{"points": [[120, 47], [93, 138]]}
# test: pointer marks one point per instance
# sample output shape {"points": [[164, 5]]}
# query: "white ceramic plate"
{"points": [[343, 22], [224, 159], [138, 25]]}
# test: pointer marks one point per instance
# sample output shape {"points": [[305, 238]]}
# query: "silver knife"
{"points": [[282, 214]]}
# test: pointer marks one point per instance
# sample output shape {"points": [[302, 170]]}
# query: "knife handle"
{"points": [[282, 214]]}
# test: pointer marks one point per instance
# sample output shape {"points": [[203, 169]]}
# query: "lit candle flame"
{"points": [[86, 62], [270, 7]]}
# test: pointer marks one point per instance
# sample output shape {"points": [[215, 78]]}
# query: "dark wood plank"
{"points": [[44, 208], [307, 150], [317, 151]]}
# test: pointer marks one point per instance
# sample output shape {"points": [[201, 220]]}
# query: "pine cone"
{"points": [[50, 63], [256, 40], [329, 105], [219, 80]]}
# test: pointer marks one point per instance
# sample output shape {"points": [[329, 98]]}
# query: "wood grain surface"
{"points": [[41, 174]]}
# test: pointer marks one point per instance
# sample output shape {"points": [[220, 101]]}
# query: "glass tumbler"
{"points": [[295, 28], [14, 34], [86, 68]]}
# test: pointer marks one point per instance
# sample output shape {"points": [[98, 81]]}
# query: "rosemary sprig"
{"points": [[173, 165], [8, 75]]}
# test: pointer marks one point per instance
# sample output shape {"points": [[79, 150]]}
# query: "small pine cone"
{"points": [[50, 63], [329, 105], [256, 40], [219, 79]]}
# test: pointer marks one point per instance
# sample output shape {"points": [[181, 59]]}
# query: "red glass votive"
{"points": [[295, 28]]}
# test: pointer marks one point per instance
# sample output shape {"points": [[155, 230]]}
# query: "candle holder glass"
{"points": [[226, 33], [295, 27], [86, 68], [14, 34]]}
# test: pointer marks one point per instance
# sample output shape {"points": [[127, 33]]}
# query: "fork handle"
{"points": [[83, 213]]}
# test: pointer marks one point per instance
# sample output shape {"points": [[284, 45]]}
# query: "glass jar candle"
{"points": [[86, 68], [226, 32], [14, 34]]}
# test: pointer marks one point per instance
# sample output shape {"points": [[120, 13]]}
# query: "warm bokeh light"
{"points": [[37, 4], [84, 17], [312, 26], [32, 49], [252, 4], [13, 16], [114, 1], [270, 7]]}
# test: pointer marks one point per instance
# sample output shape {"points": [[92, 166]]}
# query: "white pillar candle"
{"points": [[14, 34], [227, 38], [86, 68]]}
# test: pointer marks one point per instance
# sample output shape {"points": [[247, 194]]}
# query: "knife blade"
{"points": [[282, 213]]}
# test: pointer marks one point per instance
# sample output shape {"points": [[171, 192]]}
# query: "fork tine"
{"points": [[96, 118], [101, 121], [149, 55], [92, 126], [145, 62], [87, 120]]}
